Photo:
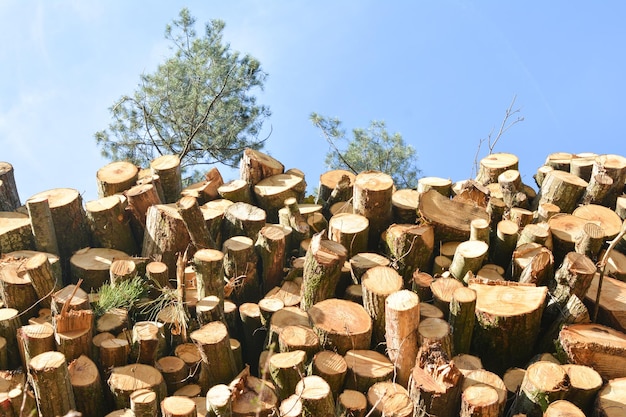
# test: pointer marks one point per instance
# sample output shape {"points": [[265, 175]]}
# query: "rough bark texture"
{"points": [[52, 384], [372, 198], [377, 284], [411, 247], [401, 336], [167, 167], [165, 235], [9, 197]]}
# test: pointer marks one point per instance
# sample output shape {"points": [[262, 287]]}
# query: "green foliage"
{"points": [[122, 295], [197, 104], [373, 148]]}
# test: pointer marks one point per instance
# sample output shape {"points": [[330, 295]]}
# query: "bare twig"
{"points": [[602, 268]]}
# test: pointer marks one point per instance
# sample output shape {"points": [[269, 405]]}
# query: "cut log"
{"points": [[332, 367], [450, 218], [242, 219], [167, 167], [436, 383], [114, 320], [42, 225], [237, 191], [442, 290], [175, 372], [52, 384], [389, 399], [73, 333], [480, 377], [219, 400], [560, 161], [540, 269], [495, 164], [442, 185], [113, 353], [585, 383], [209, 267], [401, 336], [16, 289], [603, 217], [293, 338], [561, 408], [543, 383], [341, 325], [9, 197], [372, 199], [351, 230], [286, 370], [365, 368], [177, 406], [611, 400], [462, 318], [207, 189], [523, 257], [556, 316], [293, 216], [9, 323], [88, 393], [116, 177], [255, 166], [139, 199], [351, 403], [334, 186], [479, 400], [322, 270], [411, 247], [613, 166], [612, 311], [40, 273], [32, 340], [127, 379], [597, 346], [77, 299], [122, 270], [143, 403], [149, 338], [377, 284], [214, 345], [590, 241], [193, 218], [271, 248], [93, 266], [420, 284], [362, 262], [15, 232], [573, 277], [562, 189], [521, 216], [284, 317], [404, 204], [253, 333], [70, 223], [240, 270], [256, 397], [469, 256], [537, 233], [165, 235], [506, 314], [316, 397], [467, 363], [272, 192], [157, 274], [110, 224], [435, 330], [545, 211]]}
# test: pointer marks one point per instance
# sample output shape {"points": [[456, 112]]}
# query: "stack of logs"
{"points": [[479, 298]]}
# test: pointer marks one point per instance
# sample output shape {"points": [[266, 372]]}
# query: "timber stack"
{"points": [[479, 298]]}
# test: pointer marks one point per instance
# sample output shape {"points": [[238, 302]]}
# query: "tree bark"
{"points": [[193, 219], [40, 272], [404, 204], [255, 166], [377, 284], [52, 384], [271, 248], [351, 231], [110, 224], [87, 387], [562, 189], [506, 314], [15, 232], [209, 267], [240, 270], [372, 193], [543, 383], [341, 325], [139, 199], [411, 247], [462, 318], [469, 256], [401, 335], [167, 167], [165, 236], [253, 333], [9, 197], [9, 323]]}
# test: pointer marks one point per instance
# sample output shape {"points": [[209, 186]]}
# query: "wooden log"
{"points": [[9, 196], [612, 309], [365, 368], [341, 325], [271, 248], [341, 207], [193, 219], [404, 204], [604, 217], [479, 401], [585, 383], [420, 284], [436, 383], [255, 166], [42, 225], [158, 275], [597, 346], [139, 199], [590, 240], [288, 292], [293, 216], [332, 367], [316, 397], [286, 370], [377, 284], [267, 307], [219, 400], [176, 406], [87, 387], [480, 377], [521, 216], [52, 384], [114, 320], [469, 256], [556, 316], [257, 398], [611, 400], [293, 338], [175, 372], [149, 338], [495, 164], [322, 270], [545, 211], [560, 161], [16, 289], [450, 218], [44, 281], [411, 247], [362, 262], [122, 270], [401, 309], [271, 192], [543, 383], [9, 323], [351, 403], [335, 186], [165, 235], [93, 265], [561, 408], [282, 318], [614, 166], [372, 193], [73, 333], [214, 344], [116, 177], [242, 219], [517, 311], [32, 340], [70, 223], [253, 333], [207, 189], [125, 380], [237, 191], [209, 267], [143, 403], [388, 398], [435, 330], [562, 189], [167, 167], [350, 230], [113, 353], [540, 269], [15, 232], [240, 270], [537, 233], [442, 185], [573, 277], [109, 224], [522, 257], [462, 318], [442, 290], [467, 363]]}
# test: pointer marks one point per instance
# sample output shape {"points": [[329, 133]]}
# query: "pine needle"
{"points": [[123, 295]]}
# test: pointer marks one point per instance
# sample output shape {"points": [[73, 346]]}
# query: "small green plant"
{"points": [[125, 294]]}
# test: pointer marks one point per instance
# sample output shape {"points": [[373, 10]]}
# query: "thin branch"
{"points": [[504, 127], [602, 268], [332, 144]]}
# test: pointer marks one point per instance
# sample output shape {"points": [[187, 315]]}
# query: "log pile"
{"points": [[479, 298]]}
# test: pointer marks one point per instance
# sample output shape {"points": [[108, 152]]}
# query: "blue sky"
{"points": [[440, 72]]}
